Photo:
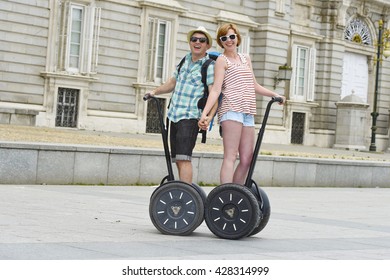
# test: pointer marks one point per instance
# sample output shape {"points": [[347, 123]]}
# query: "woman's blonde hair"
{"points": [[223, 30]]}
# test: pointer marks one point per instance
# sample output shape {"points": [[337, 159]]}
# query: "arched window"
{"points": [[357, 31]]}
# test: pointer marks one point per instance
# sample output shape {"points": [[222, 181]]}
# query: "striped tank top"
{"points": [[238, 89]]}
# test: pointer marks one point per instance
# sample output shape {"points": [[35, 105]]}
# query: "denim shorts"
{"points": [[245, 119], [183, 135]]}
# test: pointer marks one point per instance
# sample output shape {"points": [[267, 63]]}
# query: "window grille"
{"points": [[67, 107], [298, 128], [152, 117]]}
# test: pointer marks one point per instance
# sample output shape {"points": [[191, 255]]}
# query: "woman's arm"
{"points": [[260, 89]]}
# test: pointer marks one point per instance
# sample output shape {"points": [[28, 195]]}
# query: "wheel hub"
{"points": [[176, 210], [230, 211]]}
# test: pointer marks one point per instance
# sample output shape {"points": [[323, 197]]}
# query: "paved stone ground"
{"points": [[107, 223], [112, 223]]}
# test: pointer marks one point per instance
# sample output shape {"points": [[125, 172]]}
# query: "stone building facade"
{"points": [[86, 64]]}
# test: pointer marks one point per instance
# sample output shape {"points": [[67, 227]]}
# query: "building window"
{"points": [[67, 107], [79, 38], [158, 47], [75, 38], [298, 128], [303, 73], [153, 120], [245, 44], [301, 68], [358, 32]]}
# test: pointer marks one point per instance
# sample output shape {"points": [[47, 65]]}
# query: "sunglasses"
{"points": [[231, 37], [202, 40]]}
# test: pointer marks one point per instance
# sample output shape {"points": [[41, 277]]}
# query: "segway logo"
{"points": [[176, 210], [230, 212]]}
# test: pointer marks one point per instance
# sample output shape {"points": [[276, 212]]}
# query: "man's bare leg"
{"points": [[185, 170]]}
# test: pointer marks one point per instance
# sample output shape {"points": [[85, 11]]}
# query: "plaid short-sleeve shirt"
{"points": [[189, 89]]}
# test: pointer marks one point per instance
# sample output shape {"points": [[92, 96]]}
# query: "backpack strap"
{"points": [[205, 87], [204, 76], [205, 92], [180, 64], [212, 57], [178, 71]]}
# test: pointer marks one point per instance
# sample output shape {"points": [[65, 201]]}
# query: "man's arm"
{"points": [[167, 87]]}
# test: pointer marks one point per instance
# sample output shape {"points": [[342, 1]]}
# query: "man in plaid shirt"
{"points": [[183, 111]]}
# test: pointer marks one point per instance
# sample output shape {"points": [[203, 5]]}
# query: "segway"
{"points": [[234, 211], [175, 208]]}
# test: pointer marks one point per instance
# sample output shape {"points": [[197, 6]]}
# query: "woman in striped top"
{"points": [[234, 77]]}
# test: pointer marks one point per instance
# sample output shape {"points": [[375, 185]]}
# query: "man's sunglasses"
{"points": [[231, 37], [202, 40]]}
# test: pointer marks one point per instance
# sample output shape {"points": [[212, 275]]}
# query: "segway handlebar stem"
{"points": [[164, 134], [248, 181]]}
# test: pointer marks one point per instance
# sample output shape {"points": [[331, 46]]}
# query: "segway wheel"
{"points": [[176, 208], [231, 211], [264, 205], [201, 191], [203, 195]]}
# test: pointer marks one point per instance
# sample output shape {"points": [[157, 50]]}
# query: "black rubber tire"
{"points": [[231, 211], [201, 191], [264, 206], [203, 195], [176, 208]]}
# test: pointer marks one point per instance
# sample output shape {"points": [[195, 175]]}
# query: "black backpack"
{"points": [[202, 102]]}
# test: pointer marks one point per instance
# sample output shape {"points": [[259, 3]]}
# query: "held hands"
{"points": [[204, 122]]}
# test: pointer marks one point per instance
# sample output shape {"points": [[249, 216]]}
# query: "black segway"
{"points": [[175, 208], [233, 211]]}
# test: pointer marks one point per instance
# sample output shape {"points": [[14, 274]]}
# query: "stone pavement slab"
{"points": [[112, 223]]}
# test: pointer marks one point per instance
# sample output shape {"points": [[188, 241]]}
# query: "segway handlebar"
{"points": [[277, 99], [148, 96]]}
